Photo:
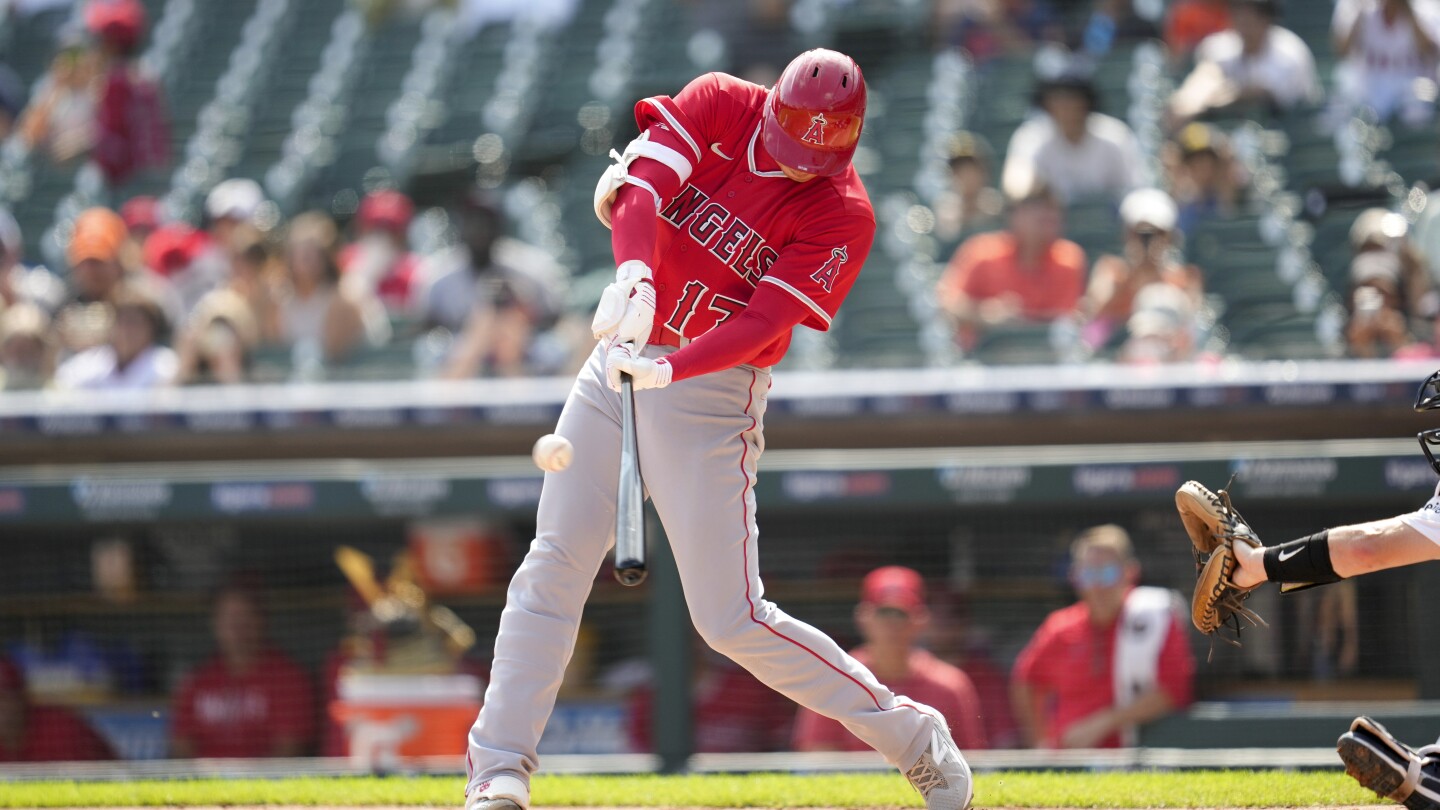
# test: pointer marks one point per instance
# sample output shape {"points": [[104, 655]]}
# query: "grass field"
{"points": [[1193, 789]]}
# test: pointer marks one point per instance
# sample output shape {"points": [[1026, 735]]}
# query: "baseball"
{"points": [[552, 452]]}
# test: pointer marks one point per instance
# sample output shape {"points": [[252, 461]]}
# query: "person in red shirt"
{"points": [[31, 733], [736, 215], [379, 260], [1113, 661], [1026, 273], [891, 617], [250, 700]]}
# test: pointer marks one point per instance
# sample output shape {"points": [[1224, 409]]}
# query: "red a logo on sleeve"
{"points": [[825, 276]]}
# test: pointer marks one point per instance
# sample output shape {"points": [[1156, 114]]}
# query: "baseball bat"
{"points": [[630, 500]]}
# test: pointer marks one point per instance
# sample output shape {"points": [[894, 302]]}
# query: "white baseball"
{"points": [[552, 452]]}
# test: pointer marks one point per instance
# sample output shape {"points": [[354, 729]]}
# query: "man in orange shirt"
{"points": [[891, 616], [1028, 272]]}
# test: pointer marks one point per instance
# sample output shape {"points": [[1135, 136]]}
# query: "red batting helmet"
{"points": [[814, 114]]}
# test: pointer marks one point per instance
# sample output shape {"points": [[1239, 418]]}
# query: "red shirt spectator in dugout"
{"points": [[31, 733], [250, 700], [1027, 272], [891, 616], [1116, 659]]}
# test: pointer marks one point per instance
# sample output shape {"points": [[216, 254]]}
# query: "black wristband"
{"points": [[1306, 560]]}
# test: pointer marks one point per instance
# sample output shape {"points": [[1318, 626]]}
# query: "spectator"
{"points": [[21, 284], [249, 700], [1148, 216], [35, 733], [1254, 63], [891, 616], [232, 205], [1028, 272], [1082, 683], [1162, 327], [96, 273], [1112, 22], [173, 255], [1190, 21], [60, 121], [732, 711], [497, 294], [254, 279], [27, 352], [142, 217], [133, 357], [132, 130], [1070, 147], [1205, 177], [1377, 230], [316, 314], [971, 202], [1378, 326], [1390, 50], [379, 260], [217, 342], [988, 29]]}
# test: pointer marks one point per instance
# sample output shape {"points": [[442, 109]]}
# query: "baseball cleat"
{"points": [[1389, 767], [498, 793], [941, 775]]}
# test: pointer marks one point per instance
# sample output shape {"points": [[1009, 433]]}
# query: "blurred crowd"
{"points": [[1234, 61], [1092, 674], [144, 300]]}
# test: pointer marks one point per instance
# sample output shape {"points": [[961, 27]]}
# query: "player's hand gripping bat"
{"points": [[630, 500]]}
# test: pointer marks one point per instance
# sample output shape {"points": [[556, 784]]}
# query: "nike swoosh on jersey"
{"points": [[1285, 555], [715, 147]]}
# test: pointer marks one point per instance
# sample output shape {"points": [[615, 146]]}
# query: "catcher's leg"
{"points": [[1389, 767]]}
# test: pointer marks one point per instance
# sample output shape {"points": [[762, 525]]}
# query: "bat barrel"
{"points": [[630, 499]]}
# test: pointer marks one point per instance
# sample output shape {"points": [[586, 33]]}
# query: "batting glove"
{"points": [[627, 306], [644, 372]]}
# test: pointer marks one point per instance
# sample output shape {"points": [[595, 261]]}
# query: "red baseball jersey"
{"points": [[244, 715], [53, 734], [738, 221], [1072, 662], [931, 681]]}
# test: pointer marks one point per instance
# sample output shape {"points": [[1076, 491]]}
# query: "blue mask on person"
{"points": [[1099, 576]]}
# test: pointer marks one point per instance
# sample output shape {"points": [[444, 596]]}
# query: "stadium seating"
{"points": [[321, 103]]}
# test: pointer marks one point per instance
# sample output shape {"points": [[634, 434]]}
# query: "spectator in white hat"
{"points": [[1148, 216]]}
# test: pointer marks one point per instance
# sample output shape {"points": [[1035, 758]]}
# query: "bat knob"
{"points": [[630, 573]]}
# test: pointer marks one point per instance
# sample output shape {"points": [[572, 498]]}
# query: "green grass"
{"points": [[1005, 789]]}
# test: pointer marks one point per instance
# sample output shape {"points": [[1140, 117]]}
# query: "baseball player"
{"points": [[735, 216], [1233, 562]]}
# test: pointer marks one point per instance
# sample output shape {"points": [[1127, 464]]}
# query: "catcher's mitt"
{"points": [[1214, 527]]}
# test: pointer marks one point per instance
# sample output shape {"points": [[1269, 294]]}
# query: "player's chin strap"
{"points": [[618, 174]]}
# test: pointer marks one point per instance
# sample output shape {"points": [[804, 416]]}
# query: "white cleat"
{"points": [[941, 774], [498, 793]]}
